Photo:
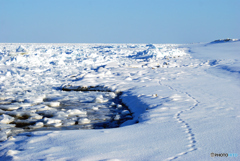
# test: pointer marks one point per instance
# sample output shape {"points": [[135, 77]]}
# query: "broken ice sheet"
{"points": [[63, 110]]}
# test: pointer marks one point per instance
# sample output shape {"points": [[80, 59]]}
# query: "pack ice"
{"points": [[170, 102]]}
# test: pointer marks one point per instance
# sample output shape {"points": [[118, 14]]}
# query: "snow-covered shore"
{"points": [[185, 99]]}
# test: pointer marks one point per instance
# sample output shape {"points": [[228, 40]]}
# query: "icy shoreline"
{"points": [[185, 98]]}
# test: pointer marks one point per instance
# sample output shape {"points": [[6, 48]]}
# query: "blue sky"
{"points": [[118, 21]]}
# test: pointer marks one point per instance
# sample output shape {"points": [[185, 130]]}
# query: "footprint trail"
{"points": [[185, 126]]}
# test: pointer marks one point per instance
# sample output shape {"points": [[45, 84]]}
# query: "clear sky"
{"points": [[118, 21]]}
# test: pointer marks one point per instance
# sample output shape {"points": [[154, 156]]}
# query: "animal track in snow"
{"points": [[187, 129]]}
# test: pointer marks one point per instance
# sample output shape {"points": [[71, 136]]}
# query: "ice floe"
{"points": [[184, 97]]}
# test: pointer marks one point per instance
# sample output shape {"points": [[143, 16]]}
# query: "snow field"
{"points": [[185, 99], [29, 73]]}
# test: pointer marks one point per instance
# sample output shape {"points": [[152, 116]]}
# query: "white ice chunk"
{"points": [[8, 74], [39, 99], [68, 122], [21, 49], [84, 121], [61, 114], [6, 119], [52, 122], [25, 104], [94, 108], [125, 112], [119, 106], [55, 124], [37, 125], [35, 116], [128, 78], [108, 73], [6, 126], [76, 112], [112, 104], [54, 104], [112, 95], [100, 99], [68, 51], [3, 136], [9, 107], [117, 117]]}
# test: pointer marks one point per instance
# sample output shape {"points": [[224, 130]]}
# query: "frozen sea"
{"points": [[120, 101]]}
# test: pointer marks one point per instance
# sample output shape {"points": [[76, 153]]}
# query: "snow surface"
{"points": [[185, 99]]}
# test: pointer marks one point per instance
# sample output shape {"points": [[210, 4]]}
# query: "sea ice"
{"points": [[184, 94], [6, 119], [84, 121], [21, 49]]}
